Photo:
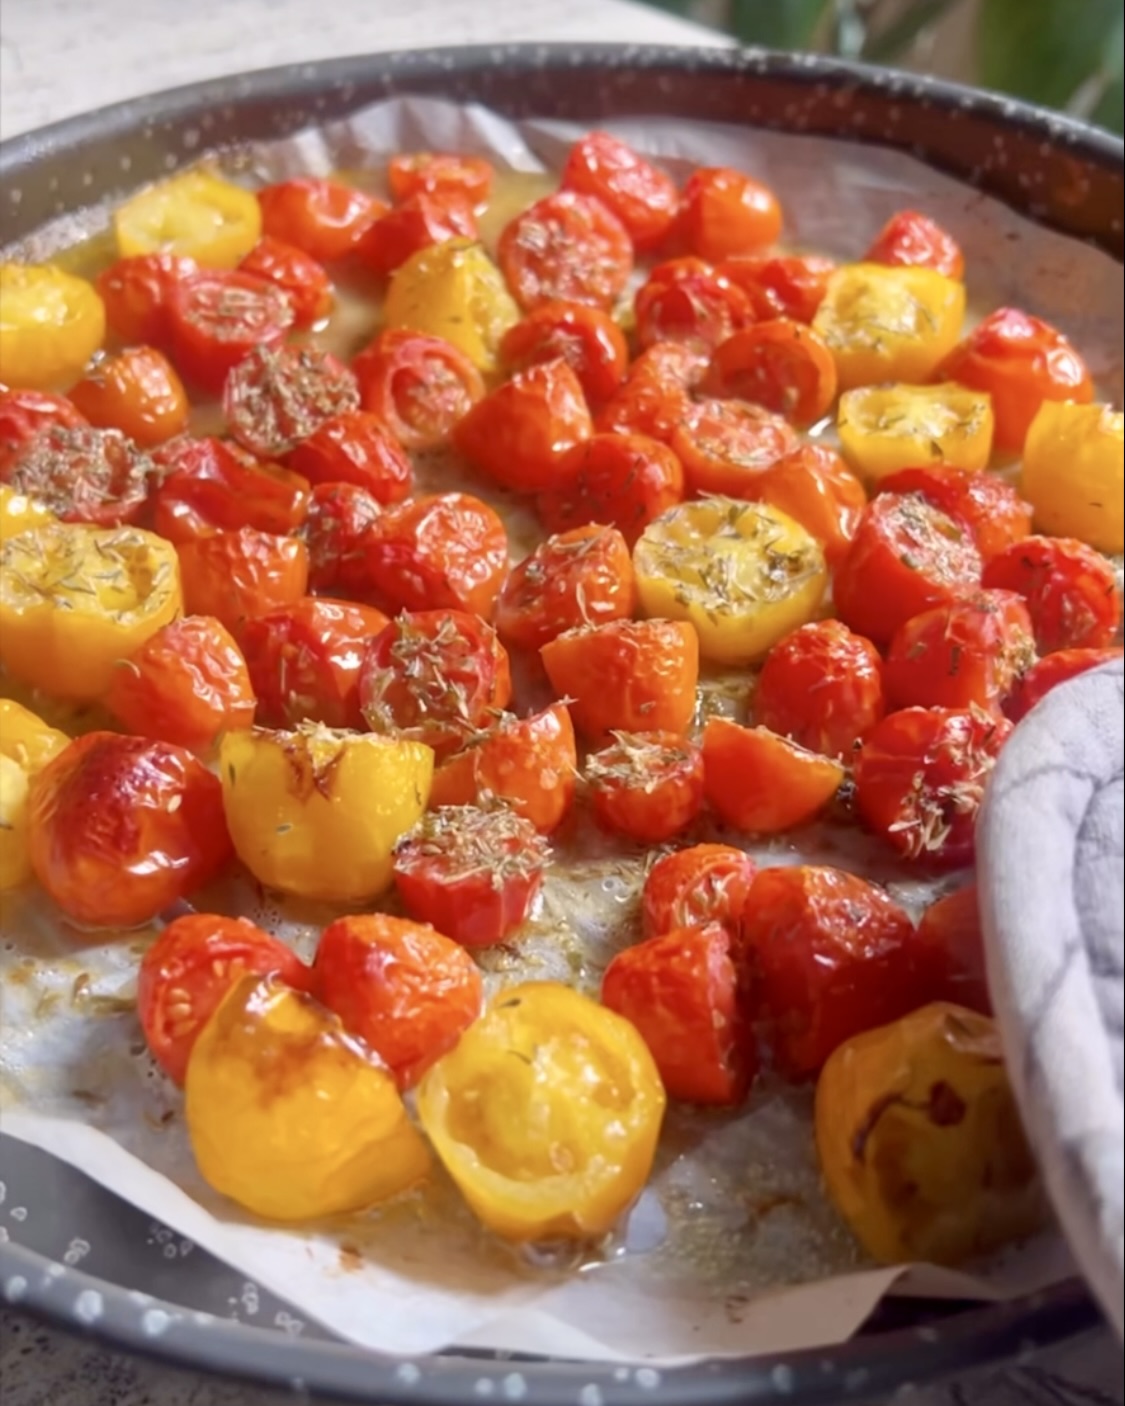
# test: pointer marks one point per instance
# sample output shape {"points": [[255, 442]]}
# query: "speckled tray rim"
{"points": [[980, 138]]}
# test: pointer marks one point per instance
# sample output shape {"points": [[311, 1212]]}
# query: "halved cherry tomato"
{"points": [[335, 533], [780, 285], [587, 339], [581, 577], [434, 676], [1050, 671], [188, 970], [473, 874], [355, 448], [274, 400], [993, 509], [962, 654], [886, 428], [137, 392], [121, 828], [920, 777], [681, 992], [237, 575], [417, 223], [626, 676], [656, 393], [949, 951], [196, 214], [647, 786], [724, 444], [695, 887], [1074, 473], [24, 414], [911, 239], [618, 480], [217, 319], [814, 486], [781, 365], [823, 687], [686, 300], [442, 551], [1019, 361], [83, 475], [827, 956], [325, 219], [761, 783], [724, 213], [405, 990], [566, 246], [1070, 590], [529, 763], [642, 196], [19, 513], [521, 433], [418, 386], [212, 484], [305, 661], [52, 325], [906, 556], [185, 684], [468, 178], [296, 273], [136, 293]]}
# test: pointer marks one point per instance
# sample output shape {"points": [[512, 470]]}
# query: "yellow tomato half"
{"points": [[27, 744], [196, 215], [19, 513], [51, 324], [886, 428], [1072, 473]]}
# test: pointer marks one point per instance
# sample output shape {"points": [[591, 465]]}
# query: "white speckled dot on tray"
{"points": [[1052, 876]]}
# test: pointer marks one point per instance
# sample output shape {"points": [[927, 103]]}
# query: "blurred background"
{"points": [[1065, 54]]}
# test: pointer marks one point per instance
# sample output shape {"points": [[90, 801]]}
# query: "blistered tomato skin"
{"points": [[299, 276], [136, 392], [330, 1135], [1050, 671], [698, 886], [887, 428], [725, 445], [27, 744], [121, 828], [724, 213], [356, 448], [642, 196], [335, 532], [912, 240], [1070, 590], [587, 339], [53, 324], [136, 293], [656, 393], [780, 365], [444, 174], [535, 1158], [646, 786], [991, 507], [217, 319], [23, 414], [324, 219], [210, 485], [686, 301], [812, 485], [572, 578], [566, 246], [1072, 473], [418, 223], [235, 576], [624, 481], [417, 386], [780, 285], [763, 784]]}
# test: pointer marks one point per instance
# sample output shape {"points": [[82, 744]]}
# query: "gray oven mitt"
{"points": [[1052, 885]]}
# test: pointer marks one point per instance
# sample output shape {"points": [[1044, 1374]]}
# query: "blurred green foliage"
{"points": [[1064, 54]]}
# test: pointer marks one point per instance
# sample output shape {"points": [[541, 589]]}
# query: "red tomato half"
{"points": [[211, 484], [701, 885], [587, 339], [83, 475], [911, 239], [993, 510], [781, 365], [417, 386], [137, 293], [647, 786], [823, 687], [763, 784], [296, 273], [237, 575], [356, 448], [325, 219], [724, 213], [419, 222], [687, 301], [23, 414], [642, 196], [136, 392], [656, 393], [949, 950], [216, 319], [780, 285], [1048, 673], [335, 533], [615, 480], [724, 445], [1070, 590], [274, 400], [817, 489], [566, 246], [465, 178]]}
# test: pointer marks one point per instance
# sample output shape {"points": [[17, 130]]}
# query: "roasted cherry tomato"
{"points": [[529, 763], [642, 196], [906, 556], [137, 392], [465, 178], [546, 1115], [1048, 673], [724, 213], [1071, 591], [194, 963], [743, 574], [993, 509], [417, 386], [356, 448], [418, 223], [1018, 361], [647, 786], [566, 246], [962, 654], [217, 319], [186, 684], [581, 577], [324, 219], [473, 874], [883, 429], [83, 475], [273, 400], [724, 444], [408, 992], [75, 599], [237, 575], [519, 435], [587, 339], [616, 480], [780, 285], [434, 676], [823, 687], [136, 293], [1072, 473], [317, 813], [51, 325], [209, 485], [781, 365], [812, 485], [687, 301], [920, 777], [444, 551], [24, 415], [297, 274], [681, 992], [19, 513], [626, 676], [195, 215], [761, 783], [656, 393], [913, 240], [949, 951], [827, 956], [333, 1138], [121, 828], [697, 886], [304, 661], [335, 533], [27, 744]]}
